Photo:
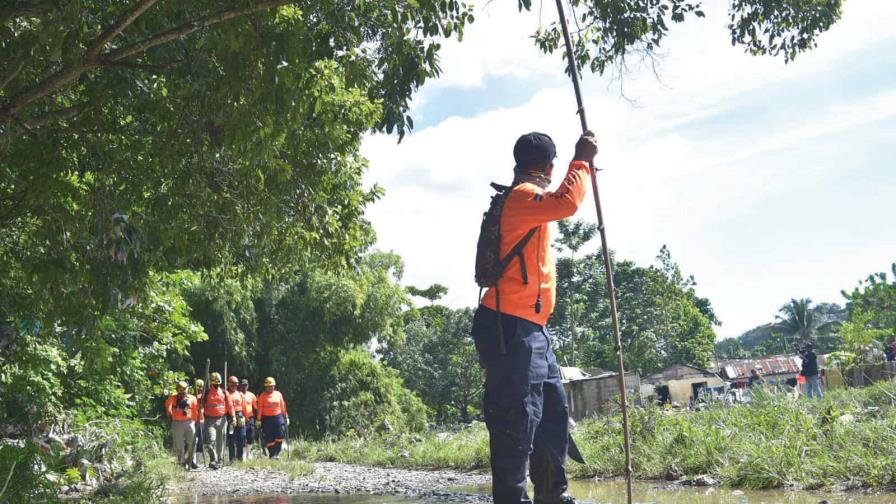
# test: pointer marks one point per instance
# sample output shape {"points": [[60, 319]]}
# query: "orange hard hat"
{"points": [[232, 380]]}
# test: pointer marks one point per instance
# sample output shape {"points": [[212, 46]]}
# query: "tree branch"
{"points": [[55, 116], [94, 48], [69, 74], [191, 26], [12, 75], [140, 66], [43, 88]]}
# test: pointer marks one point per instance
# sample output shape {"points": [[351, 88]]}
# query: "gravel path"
{"points": [[335, 478]]}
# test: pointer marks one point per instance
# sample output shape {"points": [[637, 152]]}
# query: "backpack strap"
{"points": [[517, 252]]}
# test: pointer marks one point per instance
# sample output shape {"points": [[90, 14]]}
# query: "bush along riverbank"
{"points": [[108, 461], [846, 441]]}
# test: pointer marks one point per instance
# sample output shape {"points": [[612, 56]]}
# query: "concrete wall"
{"points": [[681, 391], [863, 376], [596, 395]]}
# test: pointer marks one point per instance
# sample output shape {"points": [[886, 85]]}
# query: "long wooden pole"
{"points": [[608, 266]]}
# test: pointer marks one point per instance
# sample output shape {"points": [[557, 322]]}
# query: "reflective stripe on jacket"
{"points": [[271, 404], [528, 206], [216, 403]]}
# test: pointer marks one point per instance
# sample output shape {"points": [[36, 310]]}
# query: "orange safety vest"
{"points": [[178, 414], [251, 403], [215, 403], [526, 207], [271, 404], [237, 403]]}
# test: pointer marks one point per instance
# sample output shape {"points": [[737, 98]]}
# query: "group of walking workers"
{"points": [[217, 416]]}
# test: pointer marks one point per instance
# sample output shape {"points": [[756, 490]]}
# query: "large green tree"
{"points": [[316, 333], [574, 234], [438, 361], [876, 297], [140, 136], [660, 322], [140, 139]]}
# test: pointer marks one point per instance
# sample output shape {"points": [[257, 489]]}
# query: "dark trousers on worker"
{"points": [[200, 433], [236, 440], [250, 430], [525, 409], [273, 429]]}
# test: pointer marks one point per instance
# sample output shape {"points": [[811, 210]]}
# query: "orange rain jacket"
{"points": [[271, 404], [238, 403], [216, 403], [251, 402], [179, 415], [526, 207]]}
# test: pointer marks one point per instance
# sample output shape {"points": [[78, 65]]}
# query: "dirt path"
{"points": [[331, 477]]}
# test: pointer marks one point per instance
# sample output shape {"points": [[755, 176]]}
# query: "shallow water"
{"points": [[614, 492], [303, 499], [596, 492]]}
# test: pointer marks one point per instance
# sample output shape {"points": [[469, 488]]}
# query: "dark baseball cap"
{"points": [[534, 149], [244, 382]]}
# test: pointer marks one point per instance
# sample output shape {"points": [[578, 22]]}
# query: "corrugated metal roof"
{"points": [[733, 369]]}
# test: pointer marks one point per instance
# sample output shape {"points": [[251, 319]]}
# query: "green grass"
{"points": [[464, 450], [846, 440]]}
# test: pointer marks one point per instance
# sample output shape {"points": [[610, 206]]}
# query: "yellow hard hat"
{"points": [[216, 378], [181, 386], [270, 382], [200, 383]]}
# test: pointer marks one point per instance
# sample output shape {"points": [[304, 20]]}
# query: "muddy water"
{"points": [[595, 492]]}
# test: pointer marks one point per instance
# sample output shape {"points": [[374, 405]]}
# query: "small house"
{"points": [[680, 384], [591, 395], [777, 369]]}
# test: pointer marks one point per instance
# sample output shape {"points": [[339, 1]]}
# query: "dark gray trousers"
{"points": [[526, 411]]}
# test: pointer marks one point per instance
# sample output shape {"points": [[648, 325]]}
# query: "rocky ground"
{"points": [[335, 478]]}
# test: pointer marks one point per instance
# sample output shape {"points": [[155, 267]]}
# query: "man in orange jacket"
{"points": [[239, 415], [526, 411], [216, 409], [272, 418], [251, 405], [183, 411]]}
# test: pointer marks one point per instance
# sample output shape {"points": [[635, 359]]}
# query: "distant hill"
{"points": [[766, 340]]}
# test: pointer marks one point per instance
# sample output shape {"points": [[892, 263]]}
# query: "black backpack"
{"points": [[490, 265]]}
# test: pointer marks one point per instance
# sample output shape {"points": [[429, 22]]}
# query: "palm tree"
{"points": [[796, 320]]}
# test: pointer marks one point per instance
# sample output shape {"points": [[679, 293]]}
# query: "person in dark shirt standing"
{"points": [[810, 371]]}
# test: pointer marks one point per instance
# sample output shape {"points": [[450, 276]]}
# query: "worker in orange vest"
{"points": [[216, 408], [525, 406], [272, 418], [183, 411], [251, 406], [236, 433]]}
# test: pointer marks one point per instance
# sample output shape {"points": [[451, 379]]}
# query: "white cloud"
{"points": [[719, 198]]}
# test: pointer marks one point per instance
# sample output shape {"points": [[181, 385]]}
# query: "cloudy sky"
{"points": [[767, 181]]}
